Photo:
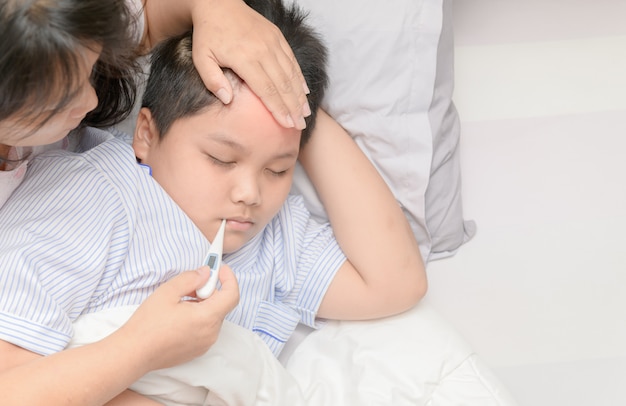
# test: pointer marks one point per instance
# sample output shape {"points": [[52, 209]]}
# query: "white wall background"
{"points": [[540, 292]]}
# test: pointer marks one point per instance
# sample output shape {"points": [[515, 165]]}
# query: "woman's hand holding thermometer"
{"points": [[213, 260]]}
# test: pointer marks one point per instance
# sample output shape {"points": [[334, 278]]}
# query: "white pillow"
{"points": [[391, 81]]}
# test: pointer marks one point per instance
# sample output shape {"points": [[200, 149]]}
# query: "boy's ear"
{"points": [[146, 134]]}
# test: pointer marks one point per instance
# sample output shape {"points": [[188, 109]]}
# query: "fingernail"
{"points": [[223, 95], [301, 123], [290, 123], [306, 109], [305, 88]]}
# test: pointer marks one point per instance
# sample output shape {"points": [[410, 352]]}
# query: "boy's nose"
{"points": [[247, 191]]}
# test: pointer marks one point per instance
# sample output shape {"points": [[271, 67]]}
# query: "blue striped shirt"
{"points": [[90, 231]]}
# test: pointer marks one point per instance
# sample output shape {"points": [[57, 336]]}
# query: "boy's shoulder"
{"points": [[98, 162], [92, 151], [88, 139]]}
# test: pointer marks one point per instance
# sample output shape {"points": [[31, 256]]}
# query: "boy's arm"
{"points": [[228, 33], [384, 273]]}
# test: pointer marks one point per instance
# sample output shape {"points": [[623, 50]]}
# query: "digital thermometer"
{"points": [[213, 260]]}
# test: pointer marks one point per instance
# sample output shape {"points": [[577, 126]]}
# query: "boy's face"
{"points": [[234, 162]]}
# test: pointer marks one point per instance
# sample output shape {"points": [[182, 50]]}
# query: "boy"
{"points": [[103, 233]]}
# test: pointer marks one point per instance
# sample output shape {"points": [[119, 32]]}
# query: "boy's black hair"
{"points": [[175, 89]]}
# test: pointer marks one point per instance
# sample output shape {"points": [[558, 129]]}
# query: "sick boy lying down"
{"points": [[94, 230]]}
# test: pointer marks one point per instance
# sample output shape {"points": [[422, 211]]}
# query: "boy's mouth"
{"points": [[239, 223]]}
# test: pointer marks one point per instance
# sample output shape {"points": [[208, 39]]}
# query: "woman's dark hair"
{"points": [[39, 57], [175, 89]]}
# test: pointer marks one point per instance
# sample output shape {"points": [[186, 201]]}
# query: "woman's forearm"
{"points": [[89, 375], [162, 332], [165, 18]]}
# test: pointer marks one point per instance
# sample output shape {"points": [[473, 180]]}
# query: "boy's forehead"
{"points": [[245, 122]]}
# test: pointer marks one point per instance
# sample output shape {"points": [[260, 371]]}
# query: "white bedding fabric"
{"points": [[415, 358], [239, 369]]}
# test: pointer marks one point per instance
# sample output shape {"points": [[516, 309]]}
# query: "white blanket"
{"points": [[238, 370], [415, 358]]}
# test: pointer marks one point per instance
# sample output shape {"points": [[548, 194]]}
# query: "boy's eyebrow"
{"points": [[286, 155], [228, 141]]}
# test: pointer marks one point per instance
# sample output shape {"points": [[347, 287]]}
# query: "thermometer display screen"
{"points": [[211, 261]]}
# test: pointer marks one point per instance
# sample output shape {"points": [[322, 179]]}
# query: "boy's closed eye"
{"points": [[221, 162], [278, 173], [228, 163]]}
